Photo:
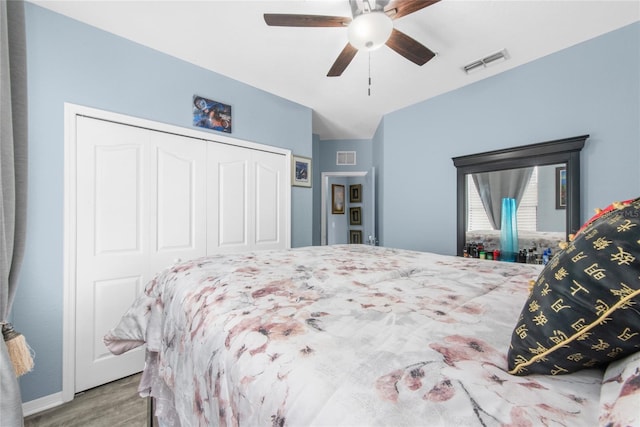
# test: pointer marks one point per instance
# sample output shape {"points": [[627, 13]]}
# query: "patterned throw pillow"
{"points": [[584, 309], [601, 212]]}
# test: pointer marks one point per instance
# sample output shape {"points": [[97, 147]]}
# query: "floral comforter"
{"points": [[343, 335]]}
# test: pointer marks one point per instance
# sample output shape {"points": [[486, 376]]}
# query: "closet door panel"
{"points": [[115, 296], [111, 249], [228, 198], [178, 193], [118, 202], [232, 203], [247, 200], [270, 185]]}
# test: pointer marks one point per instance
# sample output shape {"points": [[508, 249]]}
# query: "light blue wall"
{"points": [[72, 62], [377, 158], [329, 149], [549, 218], [317, 194], [591, 88]]}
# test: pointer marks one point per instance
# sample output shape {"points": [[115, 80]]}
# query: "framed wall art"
{"points": [[211, 114], [337, 199], [355, 216], [355, 193], [355, 236], [301, 171]]}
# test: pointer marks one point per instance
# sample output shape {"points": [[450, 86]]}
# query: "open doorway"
{"points": [[356, 222]]}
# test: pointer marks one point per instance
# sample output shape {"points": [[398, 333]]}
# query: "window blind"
{"points": [[527, 211]]}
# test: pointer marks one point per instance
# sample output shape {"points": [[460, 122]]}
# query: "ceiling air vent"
{"points": [[346, 158], [486, 61]]}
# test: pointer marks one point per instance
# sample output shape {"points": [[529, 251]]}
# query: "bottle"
{"points": [[534, 250], [522, 256]]}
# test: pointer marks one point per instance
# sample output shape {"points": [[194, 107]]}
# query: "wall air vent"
{"points": [[346, 158], [492, 59]]}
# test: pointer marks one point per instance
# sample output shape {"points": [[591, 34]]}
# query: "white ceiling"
{"points": [[232, 39]]}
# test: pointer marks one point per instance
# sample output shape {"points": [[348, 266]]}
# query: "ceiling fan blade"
{"points": [[409, 48], [343, 60], [399, 8], [290, 20]]}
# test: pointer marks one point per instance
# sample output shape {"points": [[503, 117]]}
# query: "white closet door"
{"points": [[270, 200], [112, 249], [140, 206], [178, 191], [228, 196], [246, 202]]}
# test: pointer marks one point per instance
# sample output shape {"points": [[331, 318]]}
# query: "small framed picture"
{"points": [[337, 199], [355, 236], [211, 114], [355, 216], [355, 193], [301, 171]]}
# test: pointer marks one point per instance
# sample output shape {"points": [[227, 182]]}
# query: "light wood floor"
{"points": [[113, 404]]}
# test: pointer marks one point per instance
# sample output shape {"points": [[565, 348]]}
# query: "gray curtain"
{"points": [[494, 186], [13, 186]]}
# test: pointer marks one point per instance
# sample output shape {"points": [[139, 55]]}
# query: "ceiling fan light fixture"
{"points": [[370, 31]]}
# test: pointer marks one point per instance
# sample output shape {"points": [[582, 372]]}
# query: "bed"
{"points": [[350, 335]]}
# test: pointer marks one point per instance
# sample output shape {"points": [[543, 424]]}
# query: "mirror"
{"points": [[558, 156], [541, 193]]}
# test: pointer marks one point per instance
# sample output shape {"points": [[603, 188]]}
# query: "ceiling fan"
{"points": [[370, 28]]}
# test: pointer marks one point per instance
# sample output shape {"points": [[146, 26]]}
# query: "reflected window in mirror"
{"points": [[548, 208], [541, 223]]}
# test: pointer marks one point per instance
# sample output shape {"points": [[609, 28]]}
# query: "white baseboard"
{"points": [[42, 404]]}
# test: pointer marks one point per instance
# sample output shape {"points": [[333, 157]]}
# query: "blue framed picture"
{"points": [[301, 171], [211, 114]]}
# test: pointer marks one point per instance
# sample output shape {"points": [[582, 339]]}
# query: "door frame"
{"points": [[324, 197], [71, 112]]}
